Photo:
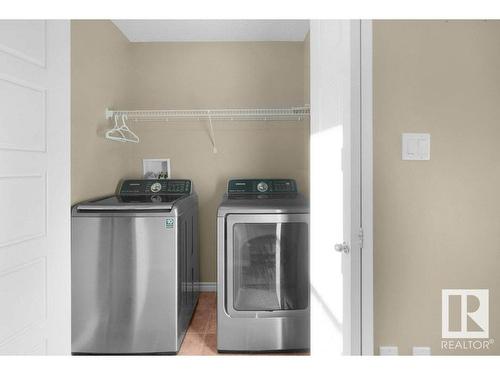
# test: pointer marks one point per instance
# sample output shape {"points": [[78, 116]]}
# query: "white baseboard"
{"points": [[207, 286]]}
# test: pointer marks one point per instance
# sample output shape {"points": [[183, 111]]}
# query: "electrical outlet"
{"points": [[421, 350], [388, 350]]}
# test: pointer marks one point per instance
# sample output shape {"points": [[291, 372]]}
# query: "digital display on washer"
{"points": [[154, 187], [261, 186]]}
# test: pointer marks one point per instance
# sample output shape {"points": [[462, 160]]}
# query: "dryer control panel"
{"points": [[262, 186], [155, 187]]}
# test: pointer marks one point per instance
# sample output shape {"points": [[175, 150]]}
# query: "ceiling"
{"points": [[213, 30]]}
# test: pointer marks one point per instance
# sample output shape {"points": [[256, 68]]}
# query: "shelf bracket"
{"points": [[212, 133], [109, 113]]}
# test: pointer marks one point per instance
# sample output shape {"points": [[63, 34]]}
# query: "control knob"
{"points": [[262, 187], [156, 187]]}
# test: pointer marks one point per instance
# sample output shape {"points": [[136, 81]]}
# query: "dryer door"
{"points": [[267, 264]]}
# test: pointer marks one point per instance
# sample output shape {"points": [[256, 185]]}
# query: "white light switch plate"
{"points": [[421, 350], [388, 350], [416, 146]]}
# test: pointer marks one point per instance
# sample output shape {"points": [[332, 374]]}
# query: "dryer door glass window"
{"points": [[270, 266]]}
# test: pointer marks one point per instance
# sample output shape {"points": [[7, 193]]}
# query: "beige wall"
{"points": [[197, 75], [220, 75], [100, 57], [437, 223]]}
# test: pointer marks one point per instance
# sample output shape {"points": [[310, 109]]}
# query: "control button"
{"points": [[262, 187], [156, 187]]}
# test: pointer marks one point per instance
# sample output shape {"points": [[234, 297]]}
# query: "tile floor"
{"points": [[201, 336]]}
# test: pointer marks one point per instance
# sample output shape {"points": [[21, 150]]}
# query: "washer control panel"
{"points": [[262, 186], [153, 187]]}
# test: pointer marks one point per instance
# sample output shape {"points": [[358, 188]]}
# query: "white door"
{"points": [[335, 187], [34, 187]]}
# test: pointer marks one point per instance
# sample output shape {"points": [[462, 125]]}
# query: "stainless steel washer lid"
{"points": [[136, 203]]}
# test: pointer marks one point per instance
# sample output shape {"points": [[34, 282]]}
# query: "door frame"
{"points": [[359, 304], [366, 150]]}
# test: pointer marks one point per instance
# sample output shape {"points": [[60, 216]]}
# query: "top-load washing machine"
{"points": [[263, 267], [134, 268]]}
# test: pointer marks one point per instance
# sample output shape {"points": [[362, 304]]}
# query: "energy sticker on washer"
{"points": [[169, 223]]}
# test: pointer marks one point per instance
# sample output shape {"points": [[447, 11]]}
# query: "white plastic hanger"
{"points": [[125, 134]]}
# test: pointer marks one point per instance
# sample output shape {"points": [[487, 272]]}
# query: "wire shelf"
{"points": [[254, 114], [122, 133]]}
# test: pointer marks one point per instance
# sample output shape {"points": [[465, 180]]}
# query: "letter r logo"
{"points": [[465, 313]]}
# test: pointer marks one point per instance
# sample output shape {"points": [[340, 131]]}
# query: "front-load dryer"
{"points": [[263, 267]]}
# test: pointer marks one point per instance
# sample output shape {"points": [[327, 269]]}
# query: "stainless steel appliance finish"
{"points": [[135, 269], [263, 267]]}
